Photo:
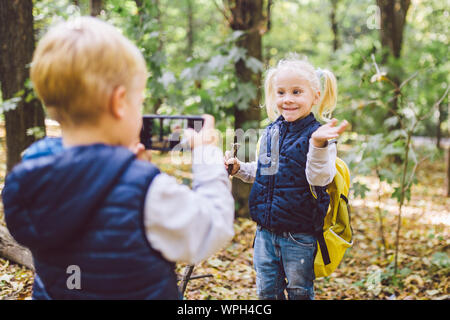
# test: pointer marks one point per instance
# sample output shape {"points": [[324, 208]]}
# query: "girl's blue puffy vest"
{"points": [[280, 199]]}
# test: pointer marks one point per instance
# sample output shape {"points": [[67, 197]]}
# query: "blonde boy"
{"points": [[93, 207]]}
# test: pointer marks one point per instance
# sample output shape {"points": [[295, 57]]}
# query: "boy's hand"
{"points": [[141, 153], [229, 159], [328, 131], [207, 135]]}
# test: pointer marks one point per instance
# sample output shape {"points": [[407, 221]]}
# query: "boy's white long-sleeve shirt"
{"points": [[320, 166], [188, 225]]}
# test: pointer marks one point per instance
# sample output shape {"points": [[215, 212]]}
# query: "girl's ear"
{"points": [[316, 98], [118, 104]]}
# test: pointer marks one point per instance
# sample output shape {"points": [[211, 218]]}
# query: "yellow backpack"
{"points": [[337, 232]]}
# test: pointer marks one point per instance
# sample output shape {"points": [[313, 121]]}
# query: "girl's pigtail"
{"points": [[329, 95], [269, 91]]}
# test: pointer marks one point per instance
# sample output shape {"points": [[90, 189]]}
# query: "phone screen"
{"points": [[165, 132]]}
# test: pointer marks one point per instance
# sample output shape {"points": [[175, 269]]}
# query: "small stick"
{"points": [[234, 147]]}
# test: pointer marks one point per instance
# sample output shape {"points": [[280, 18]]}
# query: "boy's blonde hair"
{"points": [[305, 70], [77, 65]]}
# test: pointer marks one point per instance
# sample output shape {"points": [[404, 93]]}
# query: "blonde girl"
{"points": [[294, 154]]}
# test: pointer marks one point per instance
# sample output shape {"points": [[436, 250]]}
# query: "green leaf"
{"points": [[387, 175], [158, 58], [218, 63], [391, 149], [254, 64], [359, 189], [236, 35], [29, 97], [397, 194], [391, 122], [167, 79], [37, 132], [247, 90], [19, 93], [441, 259], [10, 104], [236, 54], [153, 34], [187, 74], [405, 271]]}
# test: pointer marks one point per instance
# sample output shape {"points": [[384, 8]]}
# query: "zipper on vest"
{"points": [[272, 177], [283, 135], [269, 156]]}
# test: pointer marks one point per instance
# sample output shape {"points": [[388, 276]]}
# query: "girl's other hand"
{"points": [[228, 159], [328, 131]]}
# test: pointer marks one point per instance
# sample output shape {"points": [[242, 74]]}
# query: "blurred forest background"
{"points": [[390, 59]]}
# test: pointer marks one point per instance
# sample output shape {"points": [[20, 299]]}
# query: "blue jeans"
{"points": [[284, 256]]}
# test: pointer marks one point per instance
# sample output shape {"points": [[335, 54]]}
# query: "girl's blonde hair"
{"points": [[305, 70]]}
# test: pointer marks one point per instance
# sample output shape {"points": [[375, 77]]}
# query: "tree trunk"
{"points": [[96, 7], [247, 16], [448, 170], [438, 126], [16, 50], [151, 9], [392, 20], [157, 4], [448, 159], [158, 101], [12, 251], [190, 28], [334, 24]]}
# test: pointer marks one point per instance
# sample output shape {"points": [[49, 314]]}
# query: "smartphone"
{"points": [[160, 132]]}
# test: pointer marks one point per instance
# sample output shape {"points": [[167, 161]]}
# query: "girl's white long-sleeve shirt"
{"points": [[188, 225]]}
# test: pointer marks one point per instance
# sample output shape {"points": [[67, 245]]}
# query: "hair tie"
{"points": [[319, 72]]}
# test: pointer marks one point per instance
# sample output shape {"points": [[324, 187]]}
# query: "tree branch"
{"points": [[409, 79], [436, 104], [11, 250], [269, 5], [224, 13]]}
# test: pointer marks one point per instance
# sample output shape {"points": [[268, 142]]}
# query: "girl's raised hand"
{"points": [[328, 131]]}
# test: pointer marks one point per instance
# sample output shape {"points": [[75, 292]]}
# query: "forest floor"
{"points": [[367, 269]]}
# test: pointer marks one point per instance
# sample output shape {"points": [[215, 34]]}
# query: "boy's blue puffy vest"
{"points": [[280, 199], [83, 207]]}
